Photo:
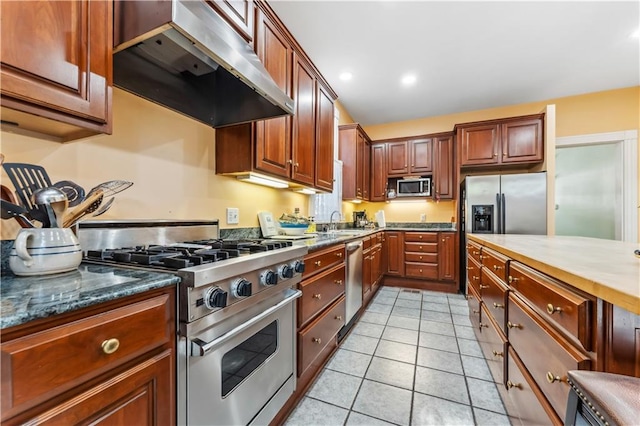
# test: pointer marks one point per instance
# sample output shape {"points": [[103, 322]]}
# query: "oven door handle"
{"points": [[201, 348]]}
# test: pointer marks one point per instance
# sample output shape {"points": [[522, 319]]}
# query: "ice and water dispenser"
{"points": [[482, 219]]}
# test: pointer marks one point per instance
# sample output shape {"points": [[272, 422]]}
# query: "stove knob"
{"points": [[285, 271], [215, 298], [268, 277], [241, 288], [298, 266]]}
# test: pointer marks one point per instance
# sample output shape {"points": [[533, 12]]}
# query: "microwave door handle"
{"points": [[498, 215], [201, 348]]}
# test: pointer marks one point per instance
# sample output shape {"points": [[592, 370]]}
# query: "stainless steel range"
{"points": [[236, 354]]}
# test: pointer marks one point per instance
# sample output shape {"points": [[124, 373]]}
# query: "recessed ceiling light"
{"points": [[408, 79], [346, 76]]}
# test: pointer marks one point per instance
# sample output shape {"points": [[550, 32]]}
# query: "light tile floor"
{"points": [[412, 359]]}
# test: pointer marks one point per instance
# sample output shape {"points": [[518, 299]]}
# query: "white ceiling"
{"points": [[466, 55]]}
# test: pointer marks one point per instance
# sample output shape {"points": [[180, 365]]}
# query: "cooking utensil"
{"points": [[104, 207], [111, 187], [54, 202], [89, 205], [10, 210], [74, 192], [27, 178], [7, 195]]}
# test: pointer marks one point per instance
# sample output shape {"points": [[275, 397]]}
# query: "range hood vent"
{"points": [[194, 63]]}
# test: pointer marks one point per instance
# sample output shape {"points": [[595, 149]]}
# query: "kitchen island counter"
{"points": [[606, 269], [26, 299]]}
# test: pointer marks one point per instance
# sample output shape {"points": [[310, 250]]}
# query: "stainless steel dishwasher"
{"points": [[353, 287]]}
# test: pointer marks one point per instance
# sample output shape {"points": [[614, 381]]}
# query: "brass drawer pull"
{"points": [[339, 254], [420, 270], [553, 309], [469, 268], [339, 282], [420, 257], [420, 247], [316, 340], [512, 325], [483, 325], [497, 268], [339, 317], [498, 305], [109, 346], [317, 296], [496, 353], [420, 236], [510, 385], [513, 279], [482, 287], [317, 263], [475, 252], [476, 278], [552, 378]]}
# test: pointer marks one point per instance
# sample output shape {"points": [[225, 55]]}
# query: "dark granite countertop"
{"points": [[25, 299]]}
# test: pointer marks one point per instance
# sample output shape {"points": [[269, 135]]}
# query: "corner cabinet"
{"points": [[56, 81], [354, 153], [444, 170], [378, 176]]}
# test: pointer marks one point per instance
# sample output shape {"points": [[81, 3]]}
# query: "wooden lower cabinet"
{"points": [[395, 253], [319, 291], [493, 344], [316, 336]]}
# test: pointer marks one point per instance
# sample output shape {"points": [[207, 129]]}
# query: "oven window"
{"points": [[248, 356]]}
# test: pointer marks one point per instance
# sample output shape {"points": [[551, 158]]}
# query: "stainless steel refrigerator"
{"points": [[501, 204]]}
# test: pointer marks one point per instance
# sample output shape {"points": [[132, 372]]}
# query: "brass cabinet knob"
{"points": [[553, 309], [482, 287], [420, 247], [420, 257], [512, 325], [497, 268], [420, 270], [296, 165], [317, 296], [498, 305], [316, 340], [290, 161], [109, 346], [483, 325], [469, 268], [420, 237], [552, 378], [512, 279], [510, 385], [317, 262], [475, 252], [496, 353], [339, 317], [495, 154], [339, 254], [339, 282], [476, 278]]}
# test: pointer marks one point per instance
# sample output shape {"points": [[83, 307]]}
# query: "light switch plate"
{"points": [[233, 216]]}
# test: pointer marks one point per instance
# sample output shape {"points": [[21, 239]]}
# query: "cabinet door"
{"points": [[360, 147], [378, 173], [479, 144], [57, 55], [444, 175], [239, 14], [304, 129], [366, 167], [447, 256], [273, 137], [420, 151], [347, 154], [395, 253], [522, 141], [397, 159], [324, 141], [367, 272]]}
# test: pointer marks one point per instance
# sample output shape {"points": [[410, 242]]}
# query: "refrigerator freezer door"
{"points": [[481, 191], [525, 203]]}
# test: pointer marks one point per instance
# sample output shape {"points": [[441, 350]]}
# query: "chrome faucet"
{"points": [[333, 226]]}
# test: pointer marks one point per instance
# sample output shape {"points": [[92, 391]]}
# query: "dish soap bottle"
{"points": [[312, 226]]}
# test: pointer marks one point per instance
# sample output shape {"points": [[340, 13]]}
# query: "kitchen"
{"points": [[172, 159]]}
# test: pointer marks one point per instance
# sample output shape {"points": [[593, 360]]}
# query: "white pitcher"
{"points": [[42, 251]]}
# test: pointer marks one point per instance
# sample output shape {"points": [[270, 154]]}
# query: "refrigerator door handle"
{"points": [[503, 210], [498, 215]]}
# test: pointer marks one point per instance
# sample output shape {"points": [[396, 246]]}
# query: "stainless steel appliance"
{"points": [[236, 354], [414, 187], [501, 204], [353, 287], [360, 219]]}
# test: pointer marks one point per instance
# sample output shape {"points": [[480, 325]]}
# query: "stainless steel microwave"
{"points": [[414, 187]]}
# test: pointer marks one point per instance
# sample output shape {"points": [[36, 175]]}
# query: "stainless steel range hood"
{"points": [[183, 55]]}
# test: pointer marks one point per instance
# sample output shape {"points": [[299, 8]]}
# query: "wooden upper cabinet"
{"points": [[354, 145], [444, 173], [303, 146], [366, 171], [324, 141], [57, 65], [502, 142], [397, 159], [238, 13], [378, 185], [420, 156]]}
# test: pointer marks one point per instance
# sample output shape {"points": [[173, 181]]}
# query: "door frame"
{"points": [[629, 141]]}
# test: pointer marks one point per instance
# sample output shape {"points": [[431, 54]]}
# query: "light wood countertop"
{"points": [[606, 269]]}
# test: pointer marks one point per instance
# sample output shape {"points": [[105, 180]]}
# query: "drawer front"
{"points": [[495, 262], [474, 250], [314, 338], [474, 271], [422, 237], [366, 243], [421, 270], [421, 257], [475, 311], [493, 343], [531, 405], [40, 365], [421, 247], [493, 293], [530, 336], [379, 238], [322, 260], [319, 291], [555, 302]]}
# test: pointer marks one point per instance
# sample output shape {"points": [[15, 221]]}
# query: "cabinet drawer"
{"points": [[475, 311], [314, 338], [495, 262], [555, 302], [493, 293], [425, 237], [321, 260], [530, 335], [421, 247], [474, 250], [319, 291], [41, 365], [493, 344], [531, 405], [421, 257], [379, 238], [366, 242], [474, 271], [421, 270]]}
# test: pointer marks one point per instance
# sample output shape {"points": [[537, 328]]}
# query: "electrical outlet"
{"points": [[423, 217], [233, 216]]}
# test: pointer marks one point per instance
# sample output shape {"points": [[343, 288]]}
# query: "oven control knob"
{"points": [[215, 298], [241, 288], [298, 266], [268, 277], [285, 271]]}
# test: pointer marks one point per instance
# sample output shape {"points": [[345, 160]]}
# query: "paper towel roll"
{"points": [[380, 219]]}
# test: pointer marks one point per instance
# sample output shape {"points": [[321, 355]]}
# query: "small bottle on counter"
{"points": [[312, 226]]}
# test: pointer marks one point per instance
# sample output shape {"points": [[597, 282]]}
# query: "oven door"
{"points": [[244, 372]]}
